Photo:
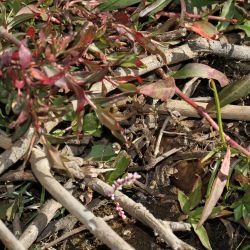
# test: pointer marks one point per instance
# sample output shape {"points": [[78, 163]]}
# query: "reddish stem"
{"points": [[196, 16], [202, 112]]}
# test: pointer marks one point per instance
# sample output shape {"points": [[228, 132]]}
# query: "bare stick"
{"points": [[139, 212], [239, 52], [39, 223], [98, 227], [230, 112], [8, 238], [158, 142]]}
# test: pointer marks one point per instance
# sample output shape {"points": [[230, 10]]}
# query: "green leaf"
{"points": [[201, 70], [116, 4], [245, 27], [227, 12], [154, 7], [195, 196], [120, 165], [91, 125], [127, 87], [238, 212], [232, 92], [202, 234], [184, 202], [101, 152]]}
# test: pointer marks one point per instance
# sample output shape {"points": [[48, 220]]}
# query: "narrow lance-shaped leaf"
{"points": [[217, 188], [203, 28], [202, 234], [232, 92], [116, 4], [154, 7], [203, 71], [227, 12]]}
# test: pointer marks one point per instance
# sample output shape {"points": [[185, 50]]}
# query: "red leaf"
{"points": [[123, 79], [24, 56], [121, 17], [31, 32], [51, 80], [37, 74], [204, 29], [19, 84], [161, 89], [23, 116]]}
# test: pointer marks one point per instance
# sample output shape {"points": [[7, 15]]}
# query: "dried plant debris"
{"points": [[134, 113]]}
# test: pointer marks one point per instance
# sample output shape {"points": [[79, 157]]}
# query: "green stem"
{"points": [[218, 111]]}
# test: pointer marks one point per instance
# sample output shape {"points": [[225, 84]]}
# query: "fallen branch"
{"points": [[39, 223], [239, 52], [98, 227], [229, 112], [8, 238], [139, 212]]}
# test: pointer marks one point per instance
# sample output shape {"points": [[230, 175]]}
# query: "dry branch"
{"points": [[8, 238], [39, 223], [227, 50], [139, 212], [97, 226], [229, 112]]}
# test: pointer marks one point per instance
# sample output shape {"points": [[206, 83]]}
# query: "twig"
{"points": [[155, 161], [98, 227], [196, 16], [71, 233], [46, 214], [229, 112], [177, 226], [158, 142], [8, 238], [139, 212], [227, 50]]}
